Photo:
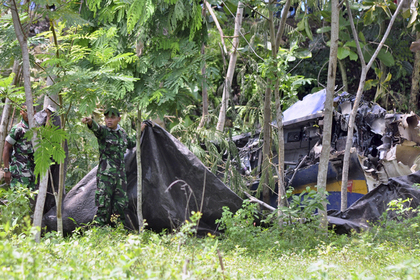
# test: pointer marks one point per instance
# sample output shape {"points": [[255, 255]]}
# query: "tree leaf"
{"points": [[370, 84], [362, 37], [343, 52], [323, 29], [386, 57], [353, 56], [308, 30]]}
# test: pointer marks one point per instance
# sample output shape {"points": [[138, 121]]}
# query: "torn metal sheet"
{"points": [[388, 144]]}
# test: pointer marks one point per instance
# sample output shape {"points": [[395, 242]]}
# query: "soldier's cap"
{"points": [[112, 111]]}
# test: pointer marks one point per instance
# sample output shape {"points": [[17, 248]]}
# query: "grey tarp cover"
{"points": [[368, 209], [164, 161]]}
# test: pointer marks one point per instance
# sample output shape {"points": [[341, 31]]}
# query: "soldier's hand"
{"points": [[87, 121], [7, 177], [146, 123], [48, 112]]}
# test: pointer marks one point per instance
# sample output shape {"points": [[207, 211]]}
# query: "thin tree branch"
{"points": [[262, 203], [216, 21], [282, 25], [355, 36], [254, 10]]}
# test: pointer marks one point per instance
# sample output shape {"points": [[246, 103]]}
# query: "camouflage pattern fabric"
{"points": [[22, 163], [111, 199], [111, 196]]}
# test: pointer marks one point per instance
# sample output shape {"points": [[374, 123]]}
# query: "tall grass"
{"points": [[246, 250]]}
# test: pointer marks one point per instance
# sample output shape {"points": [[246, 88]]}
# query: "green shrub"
{"points": [[16, 208], [296, 229], [400, 225]]}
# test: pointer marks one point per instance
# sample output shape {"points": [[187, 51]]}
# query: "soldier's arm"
{"points": [[132, 140], [87, 121], [92, 125], [48, 121], [6, 159]]}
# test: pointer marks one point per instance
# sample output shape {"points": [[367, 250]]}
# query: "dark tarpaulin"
{"points": [[368, 209], [165, 160]]}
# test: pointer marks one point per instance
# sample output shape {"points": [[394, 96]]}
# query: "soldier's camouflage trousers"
{"points": [[111, 199], [27, 181]]}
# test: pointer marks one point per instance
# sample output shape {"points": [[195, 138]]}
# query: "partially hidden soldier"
{"points": [[111, 193], [18, 155]]}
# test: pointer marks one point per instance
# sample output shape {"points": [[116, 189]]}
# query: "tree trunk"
{"points": [[328, 114], [21, 36], [3, 126], [6, 112], [275, 42], [265, 174], [61, 177], [139, 172], [365, 69], [265, 179], [282, 200], [50, 100], [204, 94], [231, 69], [415, 80]]}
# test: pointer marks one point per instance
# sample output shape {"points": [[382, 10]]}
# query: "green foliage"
{"points": [[303, 206], [15, 94], [169, 68], [241, 227], [139, 12], [186, 131], [48, 147], [15, 210], [400, 209], [87, 74], [377, 11], [277, 69], [187, 229], [249, 229], [82, 144], [104, 252]]}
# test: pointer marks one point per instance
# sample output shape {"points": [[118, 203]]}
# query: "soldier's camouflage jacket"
{"points": [[22, 160], [112, 147]]}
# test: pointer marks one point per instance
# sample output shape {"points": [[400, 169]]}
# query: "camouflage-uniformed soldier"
{"points": [[111, 196], [21, 169]]}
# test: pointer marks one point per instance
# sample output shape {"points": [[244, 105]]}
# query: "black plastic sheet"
{"points": [[165, 162], [366, 211]]}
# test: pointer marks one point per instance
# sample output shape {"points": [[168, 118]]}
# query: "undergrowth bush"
{"points": [[297, 227], [253, 246], [15, 208], [399, 224]]}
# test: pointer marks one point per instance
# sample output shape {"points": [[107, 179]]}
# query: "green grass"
{"points": [[107, 253], [390, 250]]}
